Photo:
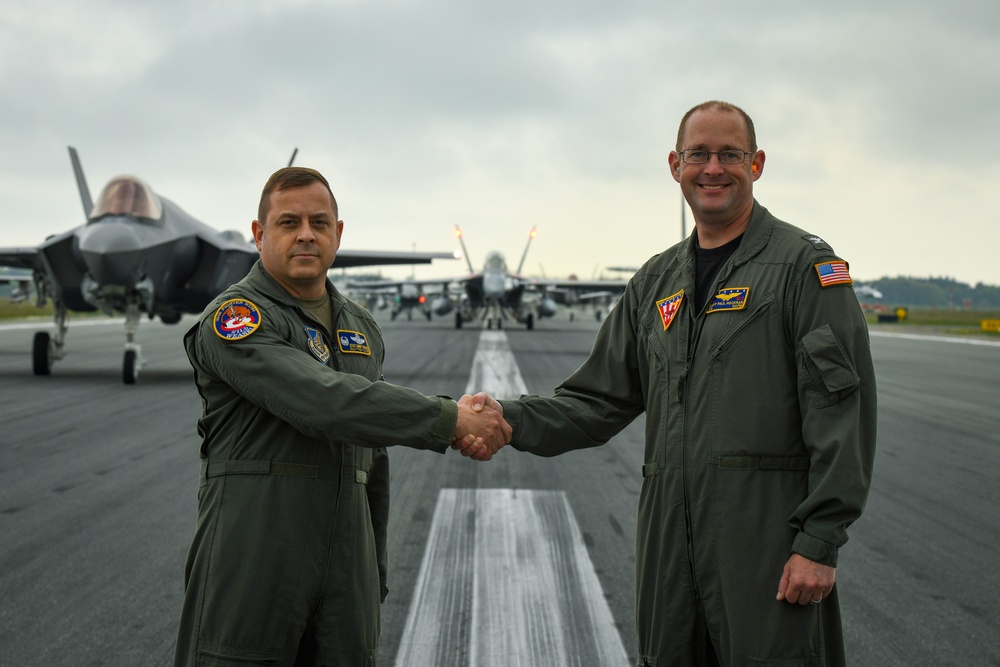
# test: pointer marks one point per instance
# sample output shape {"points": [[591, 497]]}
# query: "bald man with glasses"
{"points": [[746, 348]]}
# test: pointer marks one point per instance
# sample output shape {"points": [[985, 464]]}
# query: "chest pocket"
{"points": [[830, 374], [357, 353], [744, 324]]}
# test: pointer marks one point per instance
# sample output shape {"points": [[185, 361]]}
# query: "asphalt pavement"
{"points": [[98, 485]]}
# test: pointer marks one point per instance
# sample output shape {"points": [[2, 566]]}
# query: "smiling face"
{"points": [[300, 238], [720, 195]]}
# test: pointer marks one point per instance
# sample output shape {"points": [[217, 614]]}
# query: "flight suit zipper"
{"points": [[695, 324], [688, 528]]}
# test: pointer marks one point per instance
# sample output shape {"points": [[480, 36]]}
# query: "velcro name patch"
{"points": [[729, 298], [353, 342]]}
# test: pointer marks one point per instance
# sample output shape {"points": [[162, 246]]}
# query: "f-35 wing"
{"points": [[21, 258], [347, 258]]}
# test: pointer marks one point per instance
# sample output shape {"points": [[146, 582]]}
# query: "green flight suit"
{"points": [[288, 561], [760, 441]]}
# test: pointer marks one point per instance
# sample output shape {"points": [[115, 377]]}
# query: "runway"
{"points": [[98, 483]]}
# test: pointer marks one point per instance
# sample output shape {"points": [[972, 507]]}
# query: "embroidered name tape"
{"points": [[729, 298], [353, 342]]}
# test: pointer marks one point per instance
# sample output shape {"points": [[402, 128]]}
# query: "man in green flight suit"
{"points": [[746, 348], [288, 562]]}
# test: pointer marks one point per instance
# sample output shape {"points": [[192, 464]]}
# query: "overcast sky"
{"points": [[880, 120]]}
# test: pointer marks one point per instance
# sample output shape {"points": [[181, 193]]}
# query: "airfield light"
{"points": [[458, 231]]}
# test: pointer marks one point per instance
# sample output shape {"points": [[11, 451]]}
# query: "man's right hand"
{"points": [[481, 430]]}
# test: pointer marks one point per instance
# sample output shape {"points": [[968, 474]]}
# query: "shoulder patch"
{"points": [[317, 345], [729, 298], [236, 319], [817, 242], [668, 308], [353, 342], [834, 273]]}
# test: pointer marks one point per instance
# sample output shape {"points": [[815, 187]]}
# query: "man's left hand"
{"points": [[804, 581]]}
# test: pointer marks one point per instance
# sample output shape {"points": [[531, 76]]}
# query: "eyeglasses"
{"points": [[725, 157]]}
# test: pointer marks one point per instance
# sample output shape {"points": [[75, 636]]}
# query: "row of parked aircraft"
{"points": [[139, 254], [495, 295]]}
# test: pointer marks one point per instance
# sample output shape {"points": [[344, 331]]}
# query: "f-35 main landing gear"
{"points": [[46, 349]]}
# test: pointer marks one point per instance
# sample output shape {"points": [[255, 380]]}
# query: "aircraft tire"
{"points": [[458, 320], [130, 367], [41, 358]]}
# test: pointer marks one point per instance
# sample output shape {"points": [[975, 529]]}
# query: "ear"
{"points": [[675, 165], [340, 232], [258, 233], [757, 165]]}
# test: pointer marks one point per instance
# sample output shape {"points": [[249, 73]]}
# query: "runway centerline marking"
{"points": [[494, 369], [506, 581]]}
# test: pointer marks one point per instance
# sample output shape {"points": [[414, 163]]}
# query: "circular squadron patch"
{"points": [[236, 319]]}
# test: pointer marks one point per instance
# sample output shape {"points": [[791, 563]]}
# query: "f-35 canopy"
{"points": [[127, 195]]}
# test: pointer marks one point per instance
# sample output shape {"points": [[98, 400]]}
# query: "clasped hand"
{"points": [[481, 430]]}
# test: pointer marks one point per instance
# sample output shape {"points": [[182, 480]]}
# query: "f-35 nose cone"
{"points": [[111, 250]]}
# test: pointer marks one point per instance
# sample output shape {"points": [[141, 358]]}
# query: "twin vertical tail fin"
{"points": [[81, 183], [531, 235]]}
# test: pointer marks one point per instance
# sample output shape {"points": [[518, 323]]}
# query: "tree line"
{"points": [[936, 292]]}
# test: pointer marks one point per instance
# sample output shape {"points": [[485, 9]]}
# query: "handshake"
{"points": [[481, 430]]}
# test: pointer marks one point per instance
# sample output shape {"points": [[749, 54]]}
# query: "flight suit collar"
{"points": [[261, 280], [755, 238]]}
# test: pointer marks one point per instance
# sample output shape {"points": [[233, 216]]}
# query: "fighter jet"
{"points": [[496, 295], [405, 296], [139, 253], [600, 294], [493, 294]]}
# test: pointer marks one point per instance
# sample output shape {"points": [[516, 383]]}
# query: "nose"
{"points": [[305, 233], [714, 165]]}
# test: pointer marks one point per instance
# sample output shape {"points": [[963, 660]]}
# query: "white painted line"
{"points": [[940, 339], [494, 369], [506, 581]]}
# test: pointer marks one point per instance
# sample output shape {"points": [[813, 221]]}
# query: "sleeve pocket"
{"points": [[830, 375]]}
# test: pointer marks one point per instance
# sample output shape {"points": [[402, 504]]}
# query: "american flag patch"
{"points": [[833, 273], [668, 308]]}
